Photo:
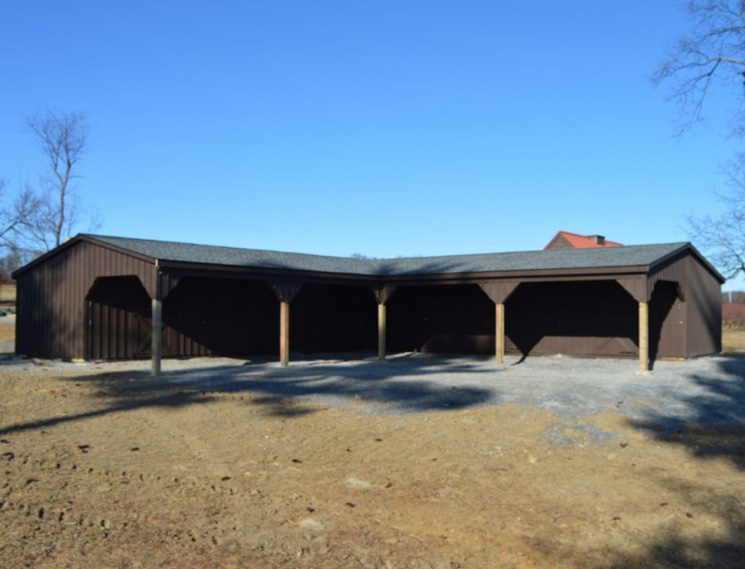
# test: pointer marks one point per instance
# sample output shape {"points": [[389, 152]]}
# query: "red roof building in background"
{"points": [[566, 240]]}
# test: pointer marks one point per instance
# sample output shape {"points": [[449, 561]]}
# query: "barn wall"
{"points": [[221, 317], [118, 319], [704, 314], [201, 317], [228, 317], [333, 318], [588, 318], [51, 297], [592, 318], [441, 319], [668, 312], [667, 319]]}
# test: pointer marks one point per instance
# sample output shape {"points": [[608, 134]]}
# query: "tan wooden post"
{"points": [[156, 336], [499, 292], [500, 334], [382, 294], [285, 290], [284, 332], [643, 337], [381, 331]]}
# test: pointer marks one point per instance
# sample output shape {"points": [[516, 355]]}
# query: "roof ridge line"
{"points": [[379, 260]]}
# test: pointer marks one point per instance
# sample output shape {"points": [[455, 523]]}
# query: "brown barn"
{"points": [[98, 297]]}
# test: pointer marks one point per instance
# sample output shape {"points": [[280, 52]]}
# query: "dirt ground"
{"points": [[102, 469]]}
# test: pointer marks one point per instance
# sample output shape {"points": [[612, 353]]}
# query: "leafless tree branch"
{"points": [[15, 211], [723, 236], [712, 55], [714, 50], [63, 141]]}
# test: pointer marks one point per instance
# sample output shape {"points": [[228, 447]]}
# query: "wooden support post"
{"points": [[500, 334], [381, 331], [643, 337], [156, 336], [285, 291], [499, 292], [284, 332]]}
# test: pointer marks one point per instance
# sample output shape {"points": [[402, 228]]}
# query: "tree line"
{"points": [[38, 215]]}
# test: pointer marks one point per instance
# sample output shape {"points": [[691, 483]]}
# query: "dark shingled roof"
{"points": [[634, 255]]}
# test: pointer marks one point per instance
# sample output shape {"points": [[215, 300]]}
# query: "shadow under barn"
{"points": [[240, 318], [118, 318], [220, 317], [441, 319], [333, 318], [201, 316], [590, 318]]}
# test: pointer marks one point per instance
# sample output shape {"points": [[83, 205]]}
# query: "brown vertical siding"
{"points": [[328, 318], [588, 318], [667, 309], [220, 316], [439, 319], [674, 269], [704, 316], [201, 316], [119, 319], [667, 320], [51, 297]]}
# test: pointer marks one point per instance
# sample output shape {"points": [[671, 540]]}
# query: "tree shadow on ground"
{"points": [[396, 385], [716, 427], [722, 548], [715, 431]]}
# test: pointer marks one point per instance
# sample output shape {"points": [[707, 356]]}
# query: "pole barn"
{"points": [[109, 298]]}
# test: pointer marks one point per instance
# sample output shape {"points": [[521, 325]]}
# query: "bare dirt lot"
{"points": [[414, 463]]}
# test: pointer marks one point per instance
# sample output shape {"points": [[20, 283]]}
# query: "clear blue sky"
{"points": [[378, 127]]}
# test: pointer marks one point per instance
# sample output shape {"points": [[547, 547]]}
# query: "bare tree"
{"points": [[14, 214], [711, 56], [712, 53], [63, 140], [12, 259], [723, 236]]}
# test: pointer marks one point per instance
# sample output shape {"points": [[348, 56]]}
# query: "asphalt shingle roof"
{"points": [[610, 257]]}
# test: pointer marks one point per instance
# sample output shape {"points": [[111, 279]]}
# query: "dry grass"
{"points": [[733, 340], [7, 332]]}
